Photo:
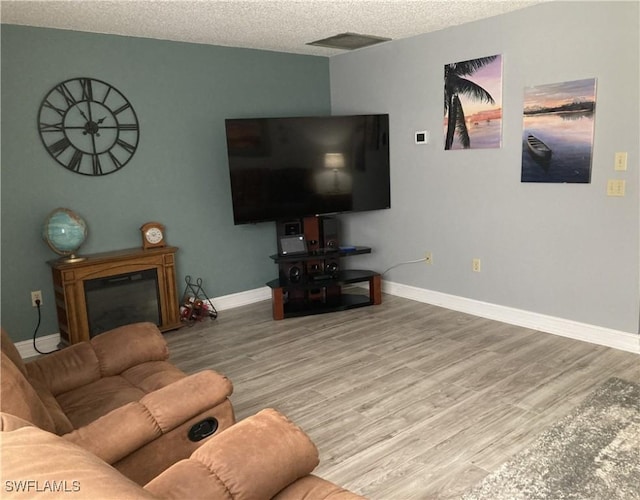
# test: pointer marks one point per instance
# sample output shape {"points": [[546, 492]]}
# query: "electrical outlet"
{"points": [[615, 187], [476, 265], [36, 296], [428, 258]]}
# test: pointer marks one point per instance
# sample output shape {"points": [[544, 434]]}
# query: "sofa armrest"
{"points": [[10, 422], [128, 428], [317, 488], [178, 402], [117, 434], [255, 458]]}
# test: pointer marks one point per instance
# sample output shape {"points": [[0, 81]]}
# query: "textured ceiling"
{"points": [[280, 25]]}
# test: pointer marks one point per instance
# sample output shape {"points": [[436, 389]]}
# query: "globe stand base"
{"points": [[69, 259]]}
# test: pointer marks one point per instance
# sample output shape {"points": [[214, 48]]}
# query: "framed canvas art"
{"points": [[557, 138], [473, 103]]}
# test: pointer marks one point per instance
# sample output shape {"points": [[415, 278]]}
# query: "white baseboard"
{"points": [[47, 343], [241, 298], [549, 324]]}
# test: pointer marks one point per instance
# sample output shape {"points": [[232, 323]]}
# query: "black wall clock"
{"points": [[88, 126]]}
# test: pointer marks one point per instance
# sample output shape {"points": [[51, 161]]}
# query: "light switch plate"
{"points": [[620, 162]]}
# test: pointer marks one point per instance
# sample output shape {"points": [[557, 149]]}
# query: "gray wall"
{"points": [[181, 93], [564, 250]]}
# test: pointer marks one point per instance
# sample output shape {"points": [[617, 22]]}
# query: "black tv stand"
{"points": [[311, 282]]}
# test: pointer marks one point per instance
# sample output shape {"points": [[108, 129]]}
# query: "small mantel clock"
{"points": [[152, 235]]}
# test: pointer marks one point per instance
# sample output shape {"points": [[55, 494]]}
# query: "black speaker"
{"points": [[291, 227], [292, 272], [332, 267], [329, 233]]}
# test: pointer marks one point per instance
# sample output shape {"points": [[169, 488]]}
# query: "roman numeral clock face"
{"points": [[88, 126]]}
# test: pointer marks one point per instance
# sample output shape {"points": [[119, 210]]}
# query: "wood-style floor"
{"points": [[404, 400]]}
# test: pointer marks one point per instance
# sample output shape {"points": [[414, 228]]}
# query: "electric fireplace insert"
{"points": [[122, 299]]}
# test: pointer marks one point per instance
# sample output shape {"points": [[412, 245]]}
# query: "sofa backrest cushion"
{"points": [[9, 348], [19, 398], [128, 346], [40, 464], [103, 356], [65, 370]]}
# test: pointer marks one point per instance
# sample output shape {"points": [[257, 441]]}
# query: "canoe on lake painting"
{"points": [[538, 149]]}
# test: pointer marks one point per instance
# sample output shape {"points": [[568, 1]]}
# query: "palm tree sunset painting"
{"points": [[473, 103], [557, 132]]}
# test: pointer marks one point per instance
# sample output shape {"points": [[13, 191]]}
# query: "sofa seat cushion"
{"points": [[88, 403], [60, 420], [154, 375]]}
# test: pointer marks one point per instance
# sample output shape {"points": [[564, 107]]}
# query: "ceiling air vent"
{"points": [[349, 41]]}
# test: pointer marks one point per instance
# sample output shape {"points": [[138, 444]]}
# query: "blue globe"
{"points": [[64, 231]]}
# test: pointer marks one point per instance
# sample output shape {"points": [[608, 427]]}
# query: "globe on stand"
{"points": [[65, 232]]}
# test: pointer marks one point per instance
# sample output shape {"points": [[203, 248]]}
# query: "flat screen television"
{"points": [[285, 168]]}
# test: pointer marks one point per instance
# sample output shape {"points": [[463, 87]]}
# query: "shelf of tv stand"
{"points": [[338, 302], [342, 278], [321, 254]]}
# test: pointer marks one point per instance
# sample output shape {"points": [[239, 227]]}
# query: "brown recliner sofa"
{"points": [[264, 456], [118, 397]]}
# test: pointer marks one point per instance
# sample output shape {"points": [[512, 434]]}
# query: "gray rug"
{"points": [[593, 453]]}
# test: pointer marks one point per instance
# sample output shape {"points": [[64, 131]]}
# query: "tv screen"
{"points": [[282, 168]]}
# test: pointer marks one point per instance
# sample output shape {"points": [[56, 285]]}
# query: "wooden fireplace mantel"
{"points": [[69, 278]]}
